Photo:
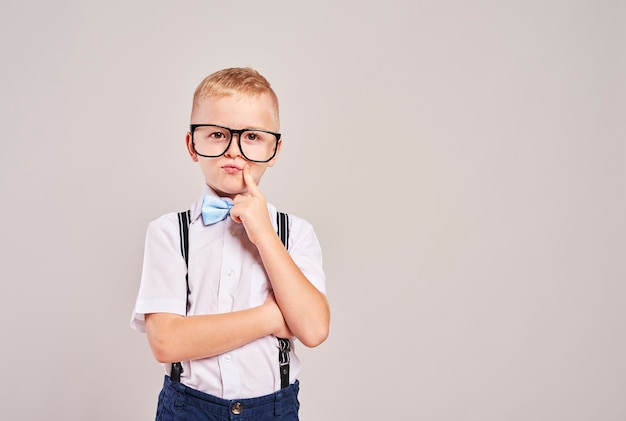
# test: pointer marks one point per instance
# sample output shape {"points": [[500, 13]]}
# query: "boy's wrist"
{"points": [[267, 239], [271, 317]]}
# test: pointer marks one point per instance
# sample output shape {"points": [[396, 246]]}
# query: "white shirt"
{"points": [[225, 275]]}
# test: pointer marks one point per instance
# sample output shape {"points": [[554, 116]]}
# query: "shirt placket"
{"points": [[227, 294]]}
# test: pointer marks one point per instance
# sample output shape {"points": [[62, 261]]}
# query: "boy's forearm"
{"points": [[304, 307], [176, 338]]}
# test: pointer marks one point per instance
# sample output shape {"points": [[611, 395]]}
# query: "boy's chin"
{"points": [[227, 191]]}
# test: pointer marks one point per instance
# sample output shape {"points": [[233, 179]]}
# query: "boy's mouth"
{"points": [[231, 169]]}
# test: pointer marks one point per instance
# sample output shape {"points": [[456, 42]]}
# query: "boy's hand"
{"points": [[251, 210], [281, 330]]}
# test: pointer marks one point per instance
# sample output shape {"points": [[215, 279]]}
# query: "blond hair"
{"points": [[236, 81]]}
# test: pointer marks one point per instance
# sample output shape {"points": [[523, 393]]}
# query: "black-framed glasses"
{"points": [[212, 141]]}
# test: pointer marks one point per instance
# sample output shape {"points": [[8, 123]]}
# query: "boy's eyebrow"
{"points": [[258, 128]]}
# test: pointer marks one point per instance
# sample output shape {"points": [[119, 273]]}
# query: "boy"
{"points": [[245, 289]]}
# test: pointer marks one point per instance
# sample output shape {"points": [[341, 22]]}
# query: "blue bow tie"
{"points": [[214, 209]]}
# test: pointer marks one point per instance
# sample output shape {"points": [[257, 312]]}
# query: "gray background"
{"points": [[463, 163]]}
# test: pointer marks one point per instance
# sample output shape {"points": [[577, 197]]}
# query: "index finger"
{"points": [[251, 184]]}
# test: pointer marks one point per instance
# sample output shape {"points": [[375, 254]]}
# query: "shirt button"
{"points": [[227, 358], [236, 408], [230, 273]]}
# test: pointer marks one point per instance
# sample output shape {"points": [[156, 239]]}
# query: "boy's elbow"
{"points": [[161, 358], [160, 340], [161, 351], [316, 333], [315, 337]]}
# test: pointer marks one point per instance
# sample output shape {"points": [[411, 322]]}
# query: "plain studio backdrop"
{"points": [[463, 164]]}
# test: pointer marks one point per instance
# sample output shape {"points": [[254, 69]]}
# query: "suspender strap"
{"points": [[284, 344], [282, 220], [183, 225]]}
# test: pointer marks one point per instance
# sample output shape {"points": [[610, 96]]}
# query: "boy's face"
{"points": [[224, 174]]}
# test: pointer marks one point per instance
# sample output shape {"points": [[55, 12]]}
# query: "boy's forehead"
{"points": [[238, 108]]}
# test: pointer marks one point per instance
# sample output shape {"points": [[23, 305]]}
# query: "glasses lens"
{"points": [[257, 145], [211, 140]]}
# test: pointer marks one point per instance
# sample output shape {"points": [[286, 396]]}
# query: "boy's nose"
{"points": [[233, 149]]}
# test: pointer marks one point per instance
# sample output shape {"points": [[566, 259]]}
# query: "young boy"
{"points": [[245, 288]]}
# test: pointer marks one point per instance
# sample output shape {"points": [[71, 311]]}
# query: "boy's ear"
{"points": [[273, 161], [189, 143]]}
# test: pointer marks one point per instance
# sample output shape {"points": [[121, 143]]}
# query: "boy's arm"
{"points": [[173, 337], [304, 307]]}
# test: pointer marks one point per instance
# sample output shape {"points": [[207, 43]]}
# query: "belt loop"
{"points": [[277, 397]]}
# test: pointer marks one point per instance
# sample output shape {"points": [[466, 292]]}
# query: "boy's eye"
{"points": [[212, 134], [253, 136], [218, 135]]}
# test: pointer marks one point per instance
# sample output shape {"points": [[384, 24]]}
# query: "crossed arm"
{"points": [[176, 338], [304, 314], [295, 308]]}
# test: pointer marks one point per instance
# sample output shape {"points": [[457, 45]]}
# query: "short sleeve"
{"points": [[306, 252], [163, 288]]}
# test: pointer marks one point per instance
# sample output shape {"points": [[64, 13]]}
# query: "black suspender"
{"points": [[183, 228], [284, 344], [282, 220], [183, 224]]}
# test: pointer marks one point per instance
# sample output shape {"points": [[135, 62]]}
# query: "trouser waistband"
{"points": [[185, 398]]}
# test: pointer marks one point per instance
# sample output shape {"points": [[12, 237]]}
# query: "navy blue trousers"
{"points": [[178, 402]]}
